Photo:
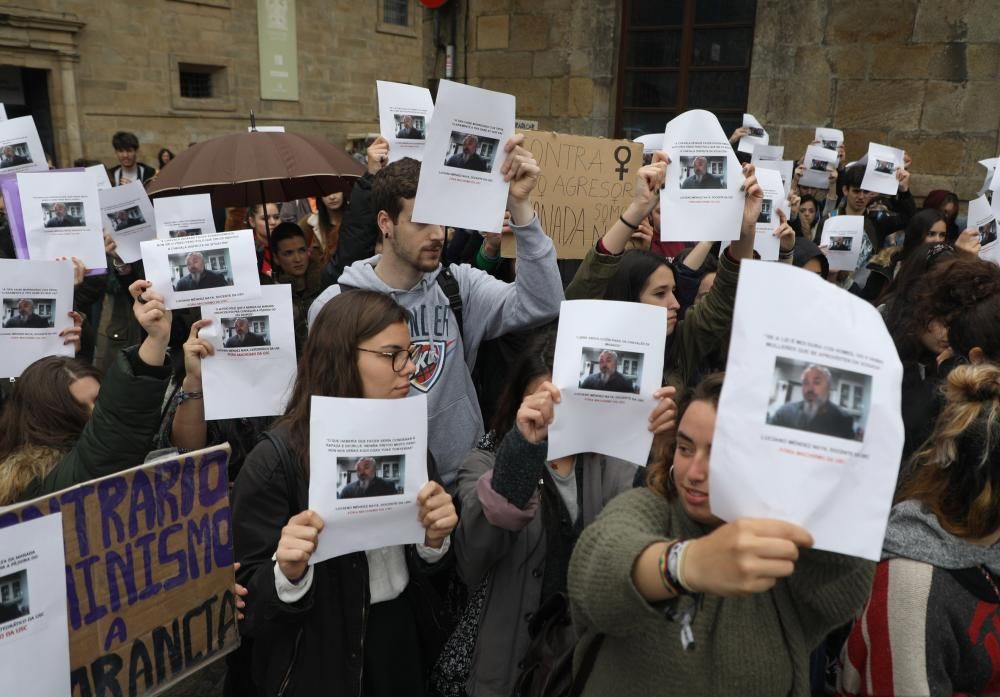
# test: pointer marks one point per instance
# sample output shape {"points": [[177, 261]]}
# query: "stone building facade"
{"points": [[918, 74]]}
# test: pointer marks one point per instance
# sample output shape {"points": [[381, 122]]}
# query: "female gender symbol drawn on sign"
{"points": [[623, 155]]}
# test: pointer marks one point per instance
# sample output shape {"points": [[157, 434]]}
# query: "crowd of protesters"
{"points": [[587, 568]]}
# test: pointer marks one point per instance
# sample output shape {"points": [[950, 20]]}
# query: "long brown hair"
{"points": [[329, 365], [658, 475], [42, 413], [956, 473]]}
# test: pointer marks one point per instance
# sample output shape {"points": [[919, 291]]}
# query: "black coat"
{"points": [[32, 321], [316, 645], [250, 339]]}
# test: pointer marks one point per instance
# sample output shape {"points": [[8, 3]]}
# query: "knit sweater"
{"points": [[753, 645], [931, 624]]}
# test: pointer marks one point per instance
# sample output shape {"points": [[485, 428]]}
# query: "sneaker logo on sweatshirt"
{"points": [[429, 358]]}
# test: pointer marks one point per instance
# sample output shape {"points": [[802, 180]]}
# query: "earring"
{"points": [[670, 475]]}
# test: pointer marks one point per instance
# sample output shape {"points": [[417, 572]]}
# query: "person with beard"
{"points": [[607, 378], [468, 158], [243, 336], [814, 412], [454, 308], [198, 277], [368, 482]]}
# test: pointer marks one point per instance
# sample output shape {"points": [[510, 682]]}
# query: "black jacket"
{"points": [[209, 279], [145, 173], [358, 232], [316, 645]]}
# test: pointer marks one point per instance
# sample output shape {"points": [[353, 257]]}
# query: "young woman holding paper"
{"points": [[521, 516], [704, 326], [929, 626], [362, 623], [689, 605], [65, 425]]}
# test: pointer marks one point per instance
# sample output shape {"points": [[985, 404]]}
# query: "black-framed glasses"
{"points": [[399, 358]]}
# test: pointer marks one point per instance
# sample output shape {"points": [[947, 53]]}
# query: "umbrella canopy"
{"points": [[244, 169]]}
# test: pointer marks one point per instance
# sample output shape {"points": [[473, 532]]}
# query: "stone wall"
{"points": [[556, 56], [125, 73], [921, 75]]}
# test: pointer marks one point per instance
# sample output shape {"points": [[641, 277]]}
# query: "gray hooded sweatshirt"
{"points": [[915, 533], [444, 362]]}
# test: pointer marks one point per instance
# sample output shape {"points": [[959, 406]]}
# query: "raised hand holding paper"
{"points": [[808, 428], [127, 215], [183, 216], [254, 366], [460, 181], [765, 243], [608, 363], [702, 199], [982, 217], [35, 300], [404, 112], [880, 171], [367, 462], [62, 217], [33, 613], [829, 138], [842, 239], [193, 271], [819, 162], [20, 147], [758, 136]]}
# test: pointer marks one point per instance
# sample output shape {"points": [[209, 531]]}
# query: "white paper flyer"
{"points": [[460, 182], [128, 218], [702, 198], [34, 634], [367, 463], [254, 366], [608, 363], [404, 113], [194, 271], [36, 298], [842, 239], [183, 216], [809, 427]]}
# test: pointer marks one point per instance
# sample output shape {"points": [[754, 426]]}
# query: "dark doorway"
{"points": [[25, 92]]}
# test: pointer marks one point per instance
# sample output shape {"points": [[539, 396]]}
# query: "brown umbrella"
{"points": [[244, 169]]}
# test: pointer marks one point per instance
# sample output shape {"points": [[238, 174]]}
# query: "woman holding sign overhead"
{"points": [[611, 273], [361, 623], [685, 604]]}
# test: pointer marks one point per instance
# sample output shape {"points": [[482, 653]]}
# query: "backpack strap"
{"points": [[449, 284]]}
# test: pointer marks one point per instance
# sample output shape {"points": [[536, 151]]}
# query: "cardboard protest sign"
{"points": [[149, 572], [585, 184]]}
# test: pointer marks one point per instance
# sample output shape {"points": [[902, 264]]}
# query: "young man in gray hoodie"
{"points": [[408, 270]]}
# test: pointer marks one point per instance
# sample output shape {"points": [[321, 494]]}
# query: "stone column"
{"points": [[71, 110]]}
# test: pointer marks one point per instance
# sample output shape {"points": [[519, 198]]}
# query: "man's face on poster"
{"points": [[365, 469], [407, 121], [700, 164], [469, 145], [195, 263], [25, 308], [815, 386], [608, 363], [60, 210], [242, 327]]}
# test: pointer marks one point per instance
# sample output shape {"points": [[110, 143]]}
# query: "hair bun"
{"points": [[974, 383]]}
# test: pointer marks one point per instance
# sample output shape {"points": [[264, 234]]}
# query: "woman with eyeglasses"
{"points": [[365, 623]]}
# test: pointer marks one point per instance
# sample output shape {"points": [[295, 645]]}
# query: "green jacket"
{"points": [[704, 330], [119, 433], [752, 645]]}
